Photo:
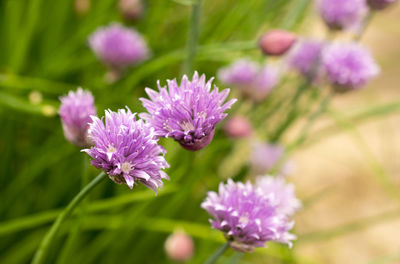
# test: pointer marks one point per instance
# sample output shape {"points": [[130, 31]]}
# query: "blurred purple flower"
{"points": [[247, 216], [284, 193], [265, 156], [380, 4], [253, 81], [304, 57], [188, 112], [348, 66], [276, 42], [127, 150], [75, 111], [240, 72], [118, 47], [342, 14]]}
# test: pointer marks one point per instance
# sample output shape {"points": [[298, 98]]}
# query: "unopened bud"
{"points": [[131, 9], [82, 7], [179, 246], [238, 127], [276, 42]]}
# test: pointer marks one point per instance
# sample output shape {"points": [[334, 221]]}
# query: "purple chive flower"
{"points": [[380, 4], [240, 72], [342, 14], [187, 112], [284, 193], [75, 111], [348, 66], [264, 157], [247, 216], [304, 57], [127, 150], [118, 47], [253, 81]]}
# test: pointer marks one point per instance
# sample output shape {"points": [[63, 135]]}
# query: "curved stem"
{"points": [[214, 257], [47, 240]]}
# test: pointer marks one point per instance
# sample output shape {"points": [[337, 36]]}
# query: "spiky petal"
{"points": [[188, 112], [284, 193], [127, 150], [247, 216]]}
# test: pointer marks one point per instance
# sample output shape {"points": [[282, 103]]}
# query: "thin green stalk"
{"points": [[364, 27], [48, 239], [293, 112], [192, 40], [310, 121], [214, 257], [74, 233]]}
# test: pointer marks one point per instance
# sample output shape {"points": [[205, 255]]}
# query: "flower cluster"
{"points": [[342, 14], [188, 112], [75, 111], [304, 58], [248, 216], [348, 66], [118, 47], [252, 80], [127, 150]]}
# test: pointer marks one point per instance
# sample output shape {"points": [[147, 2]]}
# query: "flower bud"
{"points": [[238, 127], [380, 4], [179, 246], [197, 144], [82, 7], [131, 9], [276, 42]]}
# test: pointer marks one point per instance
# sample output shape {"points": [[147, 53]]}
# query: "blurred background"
{"points": [[346, 173]]}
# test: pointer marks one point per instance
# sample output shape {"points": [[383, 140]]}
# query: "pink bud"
{"points": [[276, 42], [238, 127], [131, 9], [179, 246], [82, 7]]}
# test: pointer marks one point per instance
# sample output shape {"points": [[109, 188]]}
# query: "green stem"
{"points": [[192, 40], [214, 257], [74, 233], [48, 239], [292, 115], [306, 128]]}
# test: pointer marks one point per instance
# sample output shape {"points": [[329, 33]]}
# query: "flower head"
{"points": [[380, 4], [304, 57], [252, 80], [127, 150], [188, 112], [118, 46], [276, 42], [75, 111], [131, 9], [348, 66], [342, 14], [247, 216], [284, 193], [240, 72]]}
